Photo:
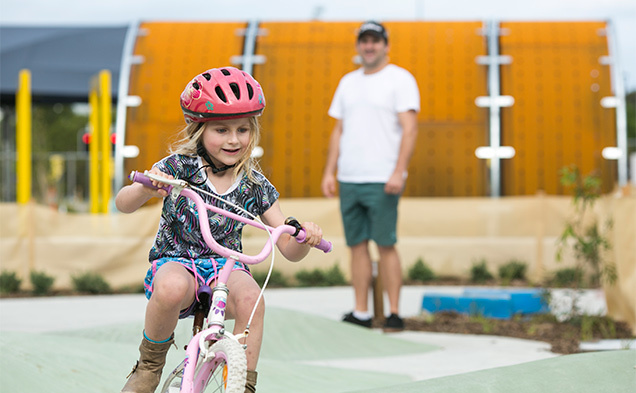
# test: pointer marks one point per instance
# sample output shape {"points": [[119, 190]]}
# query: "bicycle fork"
{"points": [[198, 356]]}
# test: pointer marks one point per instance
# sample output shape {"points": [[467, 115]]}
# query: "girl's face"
{"points": [[227, 141]]}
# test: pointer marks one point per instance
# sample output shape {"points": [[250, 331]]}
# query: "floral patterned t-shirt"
{"points": [[179, 234]]}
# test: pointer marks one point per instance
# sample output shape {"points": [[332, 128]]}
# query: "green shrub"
{"points": [[420, 271], [276, 280], [9, 282], [335, 277], [568, 277], [133, 288], [320, 278], [487, 324], [595, 326], [311, 278], [513, 270], [479, 272], [92, 283], [41, 282]]}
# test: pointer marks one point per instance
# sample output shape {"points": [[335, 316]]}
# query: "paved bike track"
{"points": [[89, 344]]}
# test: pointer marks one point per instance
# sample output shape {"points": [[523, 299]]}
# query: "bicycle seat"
{"points": [[204, 295], [202, 302]]}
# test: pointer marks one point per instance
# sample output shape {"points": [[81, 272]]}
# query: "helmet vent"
{"points": [[250, 91], [235, 89], [219, 92], [207, 76], [196, 85], [225, 72]]}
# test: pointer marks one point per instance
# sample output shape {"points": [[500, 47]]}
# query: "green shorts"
{"points": [[368, 213]]}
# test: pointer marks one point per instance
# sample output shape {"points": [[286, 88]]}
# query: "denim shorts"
{"points": [[204, 270], [368, 213]]}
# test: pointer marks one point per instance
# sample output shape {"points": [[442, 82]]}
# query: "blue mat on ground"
{"points": [[491, 303]]}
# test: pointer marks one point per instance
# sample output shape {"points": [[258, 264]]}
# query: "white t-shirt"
{"points": [[368, 106]]}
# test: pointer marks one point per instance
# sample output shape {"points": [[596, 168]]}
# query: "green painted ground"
{"points": [[97, 360]]}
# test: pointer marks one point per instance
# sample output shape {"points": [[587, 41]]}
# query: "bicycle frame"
{"points": [[198, 355]]}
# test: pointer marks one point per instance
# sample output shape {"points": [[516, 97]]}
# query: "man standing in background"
{"points": [[372, 142]]}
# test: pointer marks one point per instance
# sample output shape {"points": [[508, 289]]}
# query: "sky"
{"points": [[621, 14]]}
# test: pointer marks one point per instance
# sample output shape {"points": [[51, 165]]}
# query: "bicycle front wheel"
{"points": [[224, 373], [173, 382]]}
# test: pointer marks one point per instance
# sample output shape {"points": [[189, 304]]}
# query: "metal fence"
{"points": [[60, 179]]}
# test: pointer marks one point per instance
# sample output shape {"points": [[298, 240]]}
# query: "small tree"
{"points": [[588, 242]]}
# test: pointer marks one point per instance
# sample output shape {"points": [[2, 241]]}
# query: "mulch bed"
{"points": [[564, 337]]}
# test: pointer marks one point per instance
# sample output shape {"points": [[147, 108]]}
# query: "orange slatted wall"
{"points": [[304, 64], [555, 78], [441, 56], [557, 82], [306, 60]]}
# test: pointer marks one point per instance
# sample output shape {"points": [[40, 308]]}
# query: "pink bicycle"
{"points": [[215, 359]]}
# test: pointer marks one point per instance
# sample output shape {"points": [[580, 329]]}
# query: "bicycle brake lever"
{"points": [[176, 185]]}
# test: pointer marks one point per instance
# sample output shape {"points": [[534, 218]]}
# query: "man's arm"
{"points": [[328, 184], [408, 121]]}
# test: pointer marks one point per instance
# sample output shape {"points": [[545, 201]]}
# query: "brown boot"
{"points": [[146, 374], [250, 381]]}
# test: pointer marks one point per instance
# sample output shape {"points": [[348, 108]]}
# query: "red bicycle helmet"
{"points": [[221, 94]]}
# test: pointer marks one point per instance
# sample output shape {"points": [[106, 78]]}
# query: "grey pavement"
{"points": [[89, 344]]}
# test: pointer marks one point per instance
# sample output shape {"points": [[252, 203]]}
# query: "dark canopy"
{"points": [[62, 60]]}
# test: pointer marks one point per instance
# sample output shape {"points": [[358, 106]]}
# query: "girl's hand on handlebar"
{"points": [[313, 234], [159, 192]]}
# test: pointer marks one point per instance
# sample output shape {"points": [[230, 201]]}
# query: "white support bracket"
{"points": [[494, 60]]}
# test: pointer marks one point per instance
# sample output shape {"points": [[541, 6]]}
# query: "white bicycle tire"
{"points": [[236, 362]]}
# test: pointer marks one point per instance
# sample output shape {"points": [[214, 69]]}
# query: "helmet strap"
{"points": [[221, 169], [204, 154]]}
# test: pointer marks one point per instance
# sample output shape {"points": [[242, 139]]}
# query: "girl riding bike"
{"points": [[220, 107]]}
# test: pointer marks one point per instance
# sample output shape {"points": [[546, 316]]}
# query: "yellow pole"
{"points": [[93, 151], [23, 138], [24, 167], [105, 145]]}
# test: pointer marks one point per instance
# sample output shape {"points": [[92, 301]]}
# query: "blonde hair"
{"points": [[190, 138]]}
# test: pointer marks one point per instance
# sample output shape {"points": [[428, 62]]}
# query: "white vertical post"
{"points": [[618, 89], [494, 101], [127, 60]]}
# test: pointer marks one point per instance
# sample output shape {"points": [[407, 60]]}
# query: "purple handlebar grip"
{"points": [[139, 177], [324, 245]]}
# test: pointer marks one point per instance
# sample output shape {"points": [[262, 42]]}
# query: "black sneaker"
{"points": [[361, 322], [393, 324]]}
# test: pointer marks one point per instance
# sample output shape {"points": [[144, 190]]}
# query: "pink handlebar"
{"points": [[202, 209]]}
